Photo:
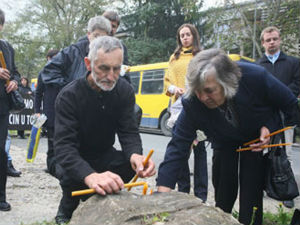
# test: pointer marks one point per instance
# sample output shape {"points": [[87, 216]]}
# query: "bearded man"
{"points": [[90, 111]]}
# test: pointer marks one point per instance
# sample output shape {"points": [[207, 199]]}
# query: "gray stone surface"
{"points": [[128, 208]]}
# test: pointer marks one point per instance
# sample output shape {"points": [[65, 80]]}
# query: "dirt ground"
{"points": [[35, 195]]}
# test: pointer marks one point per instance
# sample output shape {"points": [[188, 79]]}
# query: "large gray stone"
{"points": [[127, 208]]}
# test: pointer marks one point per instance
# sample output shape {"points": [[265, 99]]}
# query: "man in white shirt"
{"points": [[285, 68]]}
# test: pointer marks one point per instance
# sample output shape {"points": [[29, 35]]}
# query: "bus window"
{"points": [[135, 80], [153, 82]]}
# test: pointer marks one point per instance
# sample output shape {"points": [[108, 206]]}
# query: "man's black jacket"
{"points": [[67, 65], [86, 122], [9, 56], [286, 69]]}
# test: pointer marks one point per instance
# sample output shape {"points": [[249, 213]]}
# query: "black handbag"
{"points": [[16, 102], [280, 183]]}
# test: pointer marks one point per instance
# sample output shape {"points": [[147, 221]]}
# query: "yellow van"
{"points": [[148, 84]]}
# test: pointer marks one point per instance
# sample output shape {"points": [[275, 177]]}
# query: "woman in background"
{"points": [[188, 45], [24, 89]]}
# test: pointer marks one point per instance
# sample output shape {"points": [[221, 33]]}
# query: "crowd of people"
{"points": [[87, 102]]}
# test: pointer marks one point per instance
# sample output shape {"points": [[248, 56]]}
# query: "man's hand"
{"points": [[4, 74], [263, 141], [12, 86], [37, 115], [136, 161], [104, 183]]}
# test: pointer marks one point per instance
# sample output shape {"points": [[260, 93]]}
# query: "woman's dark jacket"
{"points": [[24, 90]]}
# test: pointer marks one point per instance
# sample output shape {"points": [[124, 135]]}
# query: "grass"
{"points": [[282, 217], [152, 219]]}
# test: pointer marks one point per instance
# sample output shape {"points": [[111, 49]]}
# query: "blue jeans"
{"points": [[7, 147], [200, 174]]}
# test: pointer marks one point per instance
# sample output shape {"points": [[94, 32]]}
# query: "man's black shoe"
{"points": [[60, 220], [11, 171], [4, 206], [289, 204]]}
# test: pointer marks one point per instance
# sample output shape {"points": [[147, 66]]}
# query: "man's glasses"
{"points": [[270, 39]]}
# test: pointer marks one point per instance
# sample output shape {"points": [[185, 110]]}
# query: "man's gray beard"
{"points": [[101, 86]]}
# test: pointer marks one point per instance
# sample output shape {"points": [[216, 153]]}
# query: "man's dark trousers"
{"points": [[68, 204], [50, 153], [3, 156]]}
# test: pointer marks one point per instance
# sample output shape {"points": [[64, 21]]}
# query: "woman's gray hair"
{"points": [[99, 22], [106, 43], [228, 73]]}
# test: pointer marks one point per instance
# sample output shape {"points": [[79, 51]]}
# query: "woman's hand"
{"points": [[163, 189], [263, 141], [178, 92]]}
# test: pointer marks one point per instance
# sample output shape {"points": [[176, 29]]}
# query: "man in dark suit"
{"points": [[8, 83], [45, 95], [285, 68]]}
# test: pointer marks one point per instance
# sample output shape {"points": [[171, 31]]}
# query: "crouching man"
{"points": [[89, 112]]}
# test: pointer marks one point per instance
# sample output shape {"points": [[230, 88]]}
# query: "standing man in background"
{"points": [[114, 19], [68, 65], [8, 83], [286, 69], [47, 94]]}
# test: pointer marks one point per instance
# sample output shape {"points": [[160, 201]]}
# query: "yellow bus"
{"points": [[148, 83]]}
